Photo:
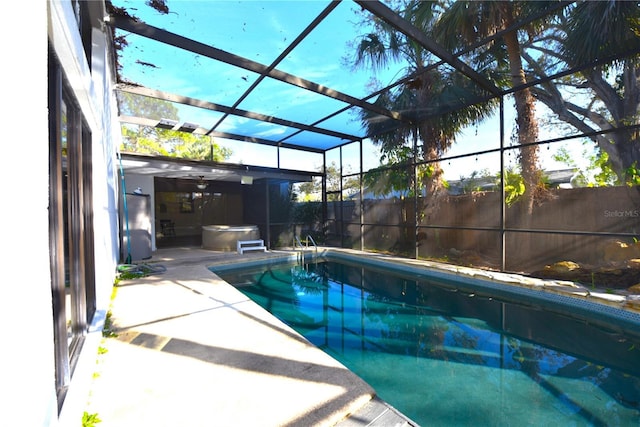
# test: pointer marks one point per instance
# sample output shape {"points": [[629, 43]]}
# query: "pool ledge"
{"points": [[621, 310]]}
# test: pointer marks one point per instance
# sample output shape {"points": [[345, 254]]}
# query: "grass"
{"points": [[90, 420], [107, 332]]}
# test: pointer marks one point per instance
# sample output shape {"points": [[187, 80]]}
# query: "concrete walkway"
{"points": [[191, 350]]}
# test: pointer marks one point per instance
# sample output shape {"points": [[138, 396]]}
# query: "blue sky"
{"points": [[260, 31]]}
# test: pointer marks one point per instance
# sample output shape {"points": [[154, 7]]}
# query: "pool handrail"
{"points": [[297, 243], [313, 242]]}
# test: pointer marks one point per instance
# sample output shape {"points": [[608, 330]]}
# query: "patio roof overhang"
{"points": [[171, 167]]}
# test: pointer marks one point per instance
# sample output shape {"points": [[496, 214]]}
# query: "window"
{"points": [[70, 226], [81, 9]]}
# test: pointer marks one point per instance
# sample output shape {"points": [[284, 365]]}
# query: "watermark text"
{"points": [[631, 213]]}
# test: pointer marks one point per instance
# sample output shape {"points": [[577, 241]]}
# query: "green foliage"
{"points": [[425, 172], [309, 188], [137, 142], [396, 175], [281, 202], [107, 331], [440, 102], [307, 213], [603, 175], [90, 420], [598, 98], [617, 25], [476, 181], [335, 182], [197, 147], [598, 173], [130, 275], [143, 106], [514, 186], [171, 143], [632, 175], [136, 271], [396, 178], [384, 180], [164, 142]]}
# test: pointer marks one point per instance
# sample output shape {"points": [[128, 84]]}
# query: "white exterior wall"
{"points": [[28, 390], [99, 100]]}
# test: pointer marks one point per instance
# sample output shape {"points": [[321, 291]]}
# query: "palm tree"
{"points": [[438, 101], [467, 22]]}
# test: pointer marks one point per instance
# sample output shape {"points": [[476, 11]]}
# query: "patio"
{"points": [[201, 353]]}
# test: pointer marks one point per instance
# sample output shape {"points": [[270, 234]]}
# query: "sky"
{"points": [[260, 31]]}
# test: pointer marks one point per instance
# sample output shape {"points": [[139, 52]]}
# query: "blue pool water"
{"points": [[445, 356]]}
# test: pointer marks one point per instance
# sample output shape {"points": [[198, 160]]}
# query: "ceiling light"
{"points": [[248, 180], [166, 124], [201, 183]]}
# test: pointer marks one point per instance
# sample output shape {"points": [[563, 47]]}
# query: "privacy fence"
{"points": [[582, 225]]}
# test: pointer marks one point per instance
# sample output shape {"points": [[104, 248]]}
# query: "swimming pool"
{"points": [[445, 354]]}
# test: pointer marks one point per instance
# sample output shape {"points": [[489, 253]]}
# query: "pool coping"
{"points": [[604, 307]]}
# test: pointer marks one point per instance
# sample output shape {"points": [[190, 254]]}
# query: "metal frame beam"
{"points": [[194, 102], [282, 56], [389, 16], [142, 121], [128, 24]]}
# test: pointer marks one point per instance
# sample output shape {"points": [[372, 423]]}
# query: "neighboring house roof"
{"points": [[560, 178]]}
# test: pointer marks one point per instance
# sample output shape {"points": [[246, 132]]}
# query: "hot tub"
{"points": [[224, 237]]}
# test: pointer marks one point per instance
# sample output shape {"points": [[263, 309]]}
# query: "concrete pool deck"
{"points": [[191, 350]]}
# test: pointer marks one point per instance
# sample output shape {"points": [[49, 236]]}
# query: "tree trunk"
{"points": [[526, 120], [527, 133]]}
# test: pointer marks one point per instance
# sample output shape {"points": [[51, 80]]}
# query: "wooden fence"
{"points": [[472, 224]]}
